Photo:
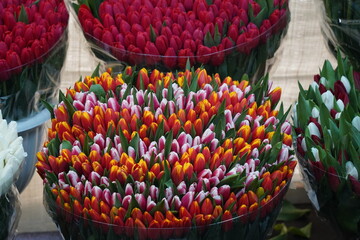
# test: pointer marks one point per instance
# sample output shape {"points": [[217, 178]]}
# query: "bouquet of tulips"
{"points": [[159, 155], [33, 44], [327, 127], [11, 159], [341, 28], [226, 37]]}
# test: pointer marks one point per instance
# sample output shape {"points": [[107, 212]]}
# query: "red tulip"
{"points": [[9, 19], [4, 70], [203, 54], [217, 55], [13, 61], [170, 59], [183, 56]]}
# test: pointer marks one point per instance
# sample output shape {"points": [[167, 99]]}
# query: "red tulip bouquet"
{"points": [[33, 44], [226, 37], [327, 126], [161, 155]]}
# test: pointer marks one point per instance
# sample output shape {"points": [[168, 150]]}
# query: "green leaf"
{"points": [[152, 34], [208, 40], [70, 108], [329, 73], [159, 131], [135, 144], [159, 207], [123, 140], [217, 35], [194, 83], [87, 143], [49, 107], [188, 65], [66, 145], [96, 72], [302, 232], [170, 93], [23, 17], [133, 204], [98, 90], [289, 212], [168, 142]]}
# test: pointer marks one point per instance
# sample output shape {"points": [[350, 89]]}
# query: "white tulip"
{"points": [[340, 104], [314, 130], [328, 99], [346, 83], [351, 170], [356, 122], [323, 81], [314, 86], [11, 154], [315, 153], [315, 112]]}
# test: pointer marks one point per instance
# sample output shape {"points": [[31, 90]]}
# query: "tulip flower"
{"points": [[170, 155]]}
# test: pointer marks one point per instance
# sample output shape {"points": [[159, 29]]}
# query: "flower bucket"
{"points": [[32, 129], [231, 42]]}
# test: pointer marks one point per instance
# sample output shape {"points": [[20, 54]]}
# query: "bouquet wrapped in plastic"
{"points": [[11, 159], [226, 37], [327, 127], [341, 28], [33, 44], [161, 155]]}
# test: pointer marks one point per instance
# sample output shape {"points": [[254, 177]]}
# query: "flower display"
{"points": [[170, 155], [340, 28], [326, 121], [226, 37], [33, 43], [11, 159]]}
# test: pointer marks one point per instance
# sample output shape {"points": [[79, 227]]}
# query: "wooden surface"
{"points": [[301, 55]]}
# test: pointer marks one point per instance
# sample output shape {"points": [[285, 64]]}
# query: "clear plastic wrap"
{"points": [[255, 225], [10, 213], [32, 53], [254, 42], [341, 28]]}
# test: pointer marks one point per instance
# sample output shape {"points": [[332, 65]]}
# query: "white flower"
{"points": [[315, 112], [11, 154], [323, 81], [314, 130], [314, 86], [351, 170], [328, 99], [315, 153], [340, 104], [356, 122], [346, 83]]}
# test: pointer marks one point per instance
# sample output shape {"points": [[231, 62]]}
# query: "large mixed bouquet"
{"points": [[166, 155], [33, 44], [226, 37], [11, 159], [341, 27], [327, 126]]}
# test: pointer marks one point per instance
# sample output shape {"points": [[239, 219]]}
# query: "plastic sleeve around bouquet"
{"points": [[10, 213], [27, 85], [341, 28], [336, 198], [247, 55], [253, 225]]}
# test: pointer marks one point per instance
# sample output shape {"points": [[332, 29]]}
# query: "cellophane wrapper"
{"points": [[340, 28], [10, 213], [254, 225]]}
